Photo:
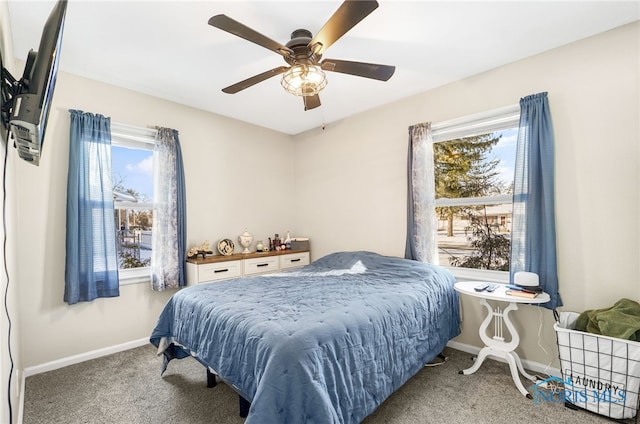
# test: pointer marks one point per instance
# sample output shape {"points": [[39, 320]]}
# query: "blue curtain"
{"points": [[91, 262], [533, 240], [181, 205], [169, 227]]}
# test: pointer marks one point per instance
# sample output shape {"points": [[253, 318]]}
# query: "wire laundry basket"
{"points": [[601, 374]]}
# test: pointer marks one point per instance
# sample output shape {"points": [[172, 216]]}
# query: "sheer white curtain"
{"points": [[167, 257], [421, 211]]}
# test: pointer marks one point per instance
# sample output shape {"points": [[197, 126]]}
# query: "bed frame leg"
{"points": [[244, 406], [211, 379]]}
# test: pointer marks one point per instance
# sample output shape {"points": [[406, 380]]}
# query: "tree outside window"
{"points": [[474, 182]]}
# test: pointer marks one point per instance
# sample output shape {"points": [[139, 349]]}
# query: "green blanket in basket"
{"points": [[622, 320]]}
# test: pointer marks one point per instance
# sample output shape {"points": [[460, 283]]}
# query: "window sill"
{"points": [[480, 275], [134, 276]]}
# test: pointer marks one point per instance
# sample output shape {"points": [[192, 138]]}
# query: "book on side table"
{"points": [[519, 291]]}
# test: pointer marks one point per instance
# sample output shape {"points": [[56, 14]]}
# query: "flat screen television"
{"points": [[30, 97]]}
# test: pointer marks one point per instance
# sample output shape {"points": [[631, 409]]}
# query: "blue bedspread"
{"points": [[326, 343]]}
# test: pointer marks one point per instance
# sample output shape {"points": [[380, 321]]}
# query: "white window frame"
{"points": [[129, 136], [477, 124]]}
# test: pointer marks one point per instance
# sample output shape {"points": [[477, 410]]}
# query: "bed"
{"points": [[326, 343]]}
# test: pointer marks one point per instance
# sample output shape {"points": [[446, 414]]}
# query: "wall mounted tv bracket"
{"points": [[11, 87]]}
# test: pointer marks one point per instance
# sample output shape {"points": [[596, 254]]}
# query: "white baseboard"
{"points": [[21, 400], [81, 357], [530, 365], [70, 360]]}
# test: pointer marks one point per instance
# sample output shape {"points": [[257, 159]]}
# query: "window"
{"points": [[474, 161], [132, 173]]}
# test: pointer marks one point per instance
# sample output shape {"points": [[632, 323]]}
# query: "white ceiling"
{"points": [[167, 49]]}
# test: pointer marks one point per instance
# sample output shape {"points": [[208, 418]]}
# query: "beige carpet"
{"points": [[126, 388]]}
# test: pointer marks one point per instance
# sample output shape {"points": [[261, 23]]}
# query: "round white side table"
{"points": [[495, 345]]}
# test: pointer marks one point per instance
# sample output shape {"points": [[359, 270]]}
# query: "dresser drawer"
{"points": [[219, 271], [260, 265], [294, 260]]}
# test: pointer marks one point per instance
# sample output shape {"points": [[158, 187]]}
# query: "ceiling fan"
{"points": [[305, 77]]}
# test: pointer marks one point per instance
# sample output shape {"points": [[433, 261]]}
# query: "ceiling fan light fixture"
{"points": [[304, 80]]}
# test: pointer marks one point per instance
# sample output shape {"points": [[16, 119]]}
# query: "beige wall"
{"points": [[351, 177], [222, 159], [11, 289]]}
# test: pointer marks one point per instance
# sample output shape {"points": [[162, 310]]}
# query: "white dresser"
{"points": [[218, 268]]}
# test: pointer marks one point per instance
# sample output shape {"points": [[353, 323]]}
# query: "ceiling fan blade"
{"points": [[234, 27], [311, 102], [239, 86], [361, 69], [346, 17]]}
